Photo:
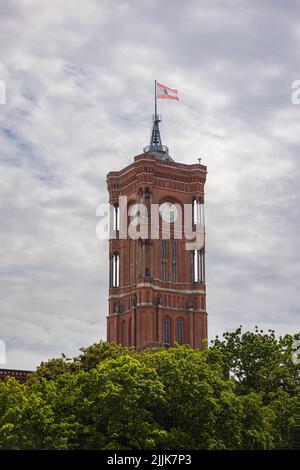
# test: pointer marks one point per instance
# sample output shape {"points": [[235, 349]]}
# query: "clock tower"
{"points": [[157, 292]]}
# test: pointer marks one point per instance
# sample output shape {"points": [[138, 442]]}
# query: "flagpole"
{"points": [[155, 100]]}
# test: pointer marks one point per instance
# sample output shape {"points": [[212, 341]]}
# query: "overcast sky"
{"points": [[79, 78]]}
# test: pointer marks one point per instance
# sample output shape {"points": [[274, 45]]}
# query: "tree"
{"points": [[241, 393], [261, 363]]}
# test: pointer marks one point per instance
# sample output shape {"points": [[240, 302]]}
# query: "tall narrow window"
{"points": [[111, 271], [115, 270], [124, 333], [130, 332], [179, 331], [198, 213], [166, 330], [131, 261], [198, 266], [195, 212], [202, 214], [202, 266], [164, 257], [116, 218], [174, 258]]}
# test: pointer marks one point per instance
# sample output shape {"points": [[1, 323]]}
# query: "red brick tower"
{"points": [[157, 293]]}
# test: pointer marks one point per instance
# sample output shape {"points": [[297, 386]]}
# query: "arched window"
{"points": [[115, 271], [166, 330], [179, 330], [124, 333]]}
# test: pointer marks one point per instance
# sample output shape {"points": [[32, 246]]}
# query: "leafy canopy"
{"points": [[241, 393]]}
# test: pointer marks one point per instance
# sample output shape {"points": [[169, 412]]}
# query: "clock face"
{"points": [[168, 212]]}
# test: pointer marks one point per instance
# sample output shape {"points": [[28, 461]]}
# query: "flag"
{"points": [[164, 92]]}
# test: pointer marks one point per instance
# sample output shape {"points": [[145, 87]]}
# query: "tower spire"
{"points": [[155, 142], [155, 98], [156, 146]]}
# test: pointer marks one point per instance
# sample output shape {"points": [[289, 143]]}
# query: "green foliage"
{"points": [[259, 362], [241, 393], [97, 353]]}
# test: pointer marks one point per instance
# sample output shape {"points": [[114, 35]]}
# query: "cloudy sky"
{"points": [[79, 89]]}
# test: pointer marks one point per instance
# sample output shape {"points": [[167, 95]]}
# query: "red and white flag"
{"points": [[166, 93]]}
